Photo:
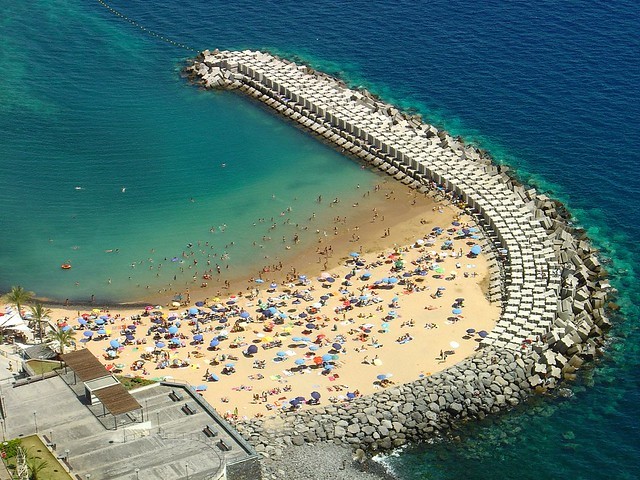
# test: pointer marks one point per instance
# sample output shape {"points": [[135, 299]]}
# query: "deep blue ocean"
{"points": [[110, 159]]}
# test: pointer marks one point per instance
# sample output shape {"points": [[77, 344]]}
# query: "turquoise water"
{"points": [[551, 88]]}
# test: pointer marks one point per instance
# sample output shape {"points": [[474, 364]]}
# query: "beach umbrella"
{"points": [[296, 339], [131, 327], [329, 367], [102, 331], [222, 320], [482, 334], [193, 311], [315, 395], [311, 326], [324, 297], [114, 343], [351, 395], [173, 330], [354, 254], [259, 280], [382, 376], [317, 360], [244, 314], [199, 304], [213, 377], [130, 337], [393, 280], [476, 250], [175, 341], [336, 346], [252, 349], [456, 311], [327, 357], [99, 321], [302, 277], [214, 343], [66, 328], [160, 345], [198, 337], [88, 334], [230, 365], [454, 344], [82, 321], [273, 286], [299, 361], [471, 330], [201, 388], [281, 354], [331, 279]]}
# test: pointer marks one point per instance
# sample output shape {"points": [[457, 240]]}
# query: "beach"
{"points": [[399, 303]]}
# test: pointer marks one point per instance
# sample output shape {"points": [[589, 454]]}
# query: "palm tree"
{"points": [[59, 339], [36, 465], [40, 313], [18, 296]]}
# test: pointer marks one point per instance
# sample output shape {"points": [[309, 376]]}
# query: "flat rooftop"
{"points": [[161, 440]]}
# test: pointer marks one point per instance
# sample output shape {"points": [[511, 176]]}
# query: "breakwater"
{"points": [[544, 273]]}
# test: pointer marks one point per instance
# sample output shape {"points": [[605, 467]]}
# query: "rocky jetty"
{"points": [[545, 274]]}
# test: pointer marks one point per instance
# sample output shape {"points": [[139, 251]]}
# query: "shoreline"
{"points": [[393, 203]]}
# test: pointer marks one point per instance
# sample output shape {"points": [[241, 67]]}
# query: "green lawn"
{"points": [[35, 449], [131, 383], [40, 367]]}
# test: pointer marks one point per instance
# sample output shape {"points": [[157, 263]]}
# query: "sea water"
{"points": [[550, 88]]}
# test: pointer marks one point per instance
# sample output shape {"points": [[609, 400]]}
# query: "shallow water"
{"points": [[550, 88]]}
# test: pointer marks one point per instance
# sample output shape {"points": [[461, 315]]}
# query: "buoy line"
{"points": [[144, 29]]}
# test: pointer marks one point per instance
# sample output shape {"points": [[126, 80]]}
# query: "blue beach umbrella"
{"points": [[456, 311], [173, 330], [99, 321], [281, 354], [175, 341], [193, 311], [259, 280], [476, 250], [315, 395], [331, 279], [327, 357], [160, 345], [114, 343], [299, 361], [88, 334], [244, 314], [337, 346], [313, 348], [130, 337], [354, 254], [251, 349], [198, 337], [66, 328], [213, 377], [382, 376], [273, 285], [199, 304], [82, 321], [214, 343]]}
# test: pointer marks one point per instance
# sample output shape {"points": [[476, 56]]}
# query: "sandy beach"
{"points": [[396, 304]]}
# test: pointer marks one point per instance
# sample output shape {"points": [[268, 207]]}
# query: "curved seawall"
{"points": [[545, 275]]}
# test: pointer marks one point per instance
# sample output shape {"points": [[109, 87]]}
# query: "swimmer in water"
{"points": [[124, 189]]}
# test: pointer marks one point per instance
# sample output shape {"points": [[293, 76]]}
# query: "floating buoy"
{"points": [[65, 266]]}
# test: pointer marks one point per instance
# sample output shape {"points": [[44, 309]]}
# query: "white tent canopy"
{"points": [[12, 321]]}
